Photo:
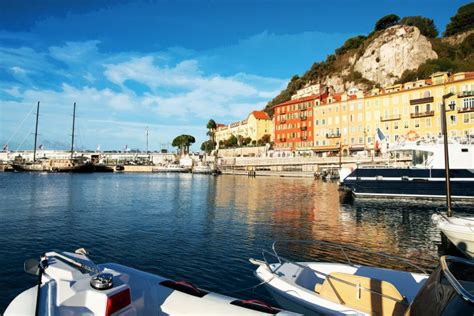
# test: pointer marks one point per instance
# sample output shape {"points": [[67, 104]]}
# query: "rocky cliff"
{"points": [[389, 55]]}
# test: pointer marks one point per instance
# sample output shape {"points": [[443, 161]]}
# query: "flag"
{"points": [[98, 148], [40, 147], [379, 137], [5, 148]]}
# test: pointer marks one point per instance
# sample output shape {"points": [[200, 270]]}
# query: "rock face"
{"points": [[397, 49]]}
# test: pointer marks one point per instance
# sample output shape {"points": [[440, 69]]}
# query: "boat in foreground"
{"points": [[425, 177], [352, 289], [459, 230], [71, 284]]}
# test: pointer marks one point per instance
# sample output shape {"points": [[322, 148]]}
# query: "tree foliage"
{"points": [[183, 142], [462, 21], [352, 43], [386, 22], [425, 25], [208, 146]]}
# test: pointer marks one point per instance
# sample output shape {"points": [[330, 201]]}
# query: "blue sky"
{"points": [[168, 65]]}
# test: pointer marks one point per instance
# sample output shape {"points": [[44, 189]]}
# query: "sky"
{"points": [[166, 65]]}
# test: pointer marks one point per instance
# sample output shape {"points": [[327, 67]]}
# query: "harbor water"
{"points": [[197, 228]]}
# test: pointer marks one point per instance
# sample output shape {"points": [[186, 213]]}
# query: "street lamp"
{"points": [[446, 154]]}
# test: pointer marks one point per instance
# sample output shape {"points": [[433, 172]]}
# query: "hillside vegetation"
{"points": [[455, 53]]}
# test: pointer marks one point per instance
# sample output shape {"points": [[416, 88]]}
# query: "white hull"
{"points": [[293, 288], [67, 290], [460, 231]]}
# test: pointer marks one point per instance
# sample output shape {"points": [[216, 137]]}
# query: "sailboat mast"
{"points": [[72, 136], [36, 130]]}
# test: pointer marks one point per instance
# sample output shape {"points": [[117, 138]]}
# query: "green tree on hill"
{"points": [[462, 21], [425, 25], [386, 22]]}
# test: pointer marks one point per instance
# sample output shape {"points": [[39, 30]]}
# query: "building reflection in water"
{"points": [[299, 209]]}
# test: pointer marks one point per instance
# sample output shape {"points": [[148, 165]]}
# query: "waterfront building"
{"points": [[293, 124], [255, 126], [348, 122]]}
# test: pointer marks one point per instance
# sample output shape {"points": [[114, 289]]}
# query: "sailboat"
{"points": [[21, 164], [458, 229], [72, 164]]}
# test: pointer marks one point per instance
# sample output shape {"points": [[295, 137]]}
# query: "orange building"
{"points": [[293, 124]]}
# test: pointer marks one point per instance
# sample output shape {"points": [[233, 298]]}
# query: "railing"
{"points": [[422, 114], [466, 109], [337, 135], [282, 121], [390, 118], [303, 118], [421, 100], [466, 94], [304, 128]]}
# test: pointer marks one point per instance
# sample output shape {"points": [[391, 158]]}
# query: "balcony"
{"points": [[389, 118], [464, 94], [422, 114], [304, 128], [282, 140], [337, 135], [303, 118], [421, 101], [303, 109], [282, 121], [466, 110]]}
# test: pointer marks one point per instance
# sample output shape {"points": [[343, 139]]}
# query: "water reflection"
{"points": [[194, 227]]}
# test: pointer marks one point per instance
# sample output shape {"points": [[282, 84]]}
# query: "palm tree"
{"points": [[211, 126]]}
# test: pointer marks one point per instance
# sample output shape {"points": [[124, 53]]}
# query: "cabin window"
{"points": [[464, 150]]}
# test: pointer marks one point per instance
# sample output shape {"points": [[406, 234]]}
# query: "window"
{"points": [[352, 140], [395, 125], [417, 123], [428, 107], [468, 103], [452, 105], [452, 119], [360, 140], [428, 122], [466, 118], [427, 94]]}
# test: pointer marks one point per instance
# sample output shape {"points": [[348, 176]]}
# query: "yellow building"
{"points": [[257, 124], [404, 111]]}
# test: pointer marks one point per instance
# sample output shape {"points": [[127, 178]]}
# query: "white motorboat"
{"points": [[171, 168], [352, 289], [459, 230], [71, 284], [203, 169]]}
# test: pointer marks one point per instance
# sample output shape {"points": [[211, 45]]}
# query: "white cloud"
{"points": [[73, 52]]}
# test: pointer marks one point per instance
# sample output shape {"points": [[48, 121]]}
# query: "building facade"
{"points": [[255, 126], [293, 124], [348, 122]]}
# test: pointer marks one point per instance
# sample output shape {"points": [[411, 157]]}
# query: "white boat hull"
{"points": [[301, 298], [460, 231]]}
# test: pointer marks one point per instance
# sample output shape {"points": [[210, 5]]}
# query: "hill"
{"points": [[396, 51]]}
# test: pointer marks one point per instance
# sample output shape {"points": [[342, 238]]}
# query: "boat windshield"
{"points": [[421, 158]]}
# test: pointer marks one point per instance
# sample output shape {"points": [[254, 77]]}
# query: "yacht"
{"points": [[424, 177], [72, 284], [203, 168], [349, 288]]}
